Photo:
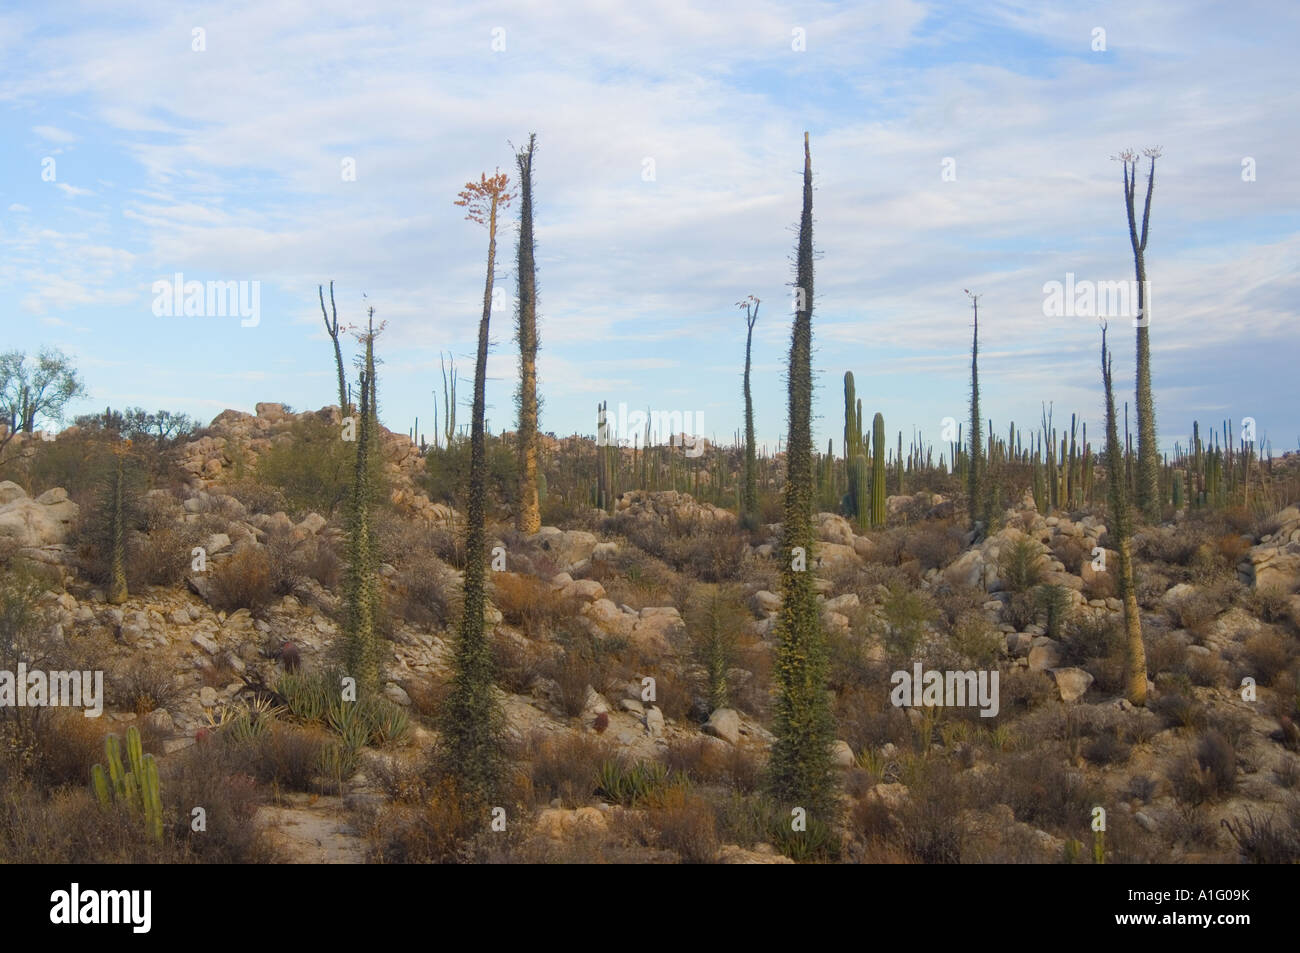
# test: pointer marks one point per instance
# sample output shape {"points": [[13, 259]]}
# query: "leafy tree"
{"points": [[31, 389]]}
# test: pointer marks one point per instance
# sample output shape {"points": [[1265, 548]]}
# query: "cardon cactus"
{"points": [[878, 471], [137, 788]]}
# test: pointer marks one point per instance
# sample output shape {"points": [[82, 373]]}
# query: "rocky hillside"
{"points": [[639, 719]]}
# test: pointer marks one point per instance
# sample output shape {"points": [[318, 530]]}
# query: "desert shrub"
{"points": [[1072, 551], [1193, 612], [930, 830], [67, 744], [312, 467], [426, 592], [1053, 604], [1269, 654], [244, 580], [1100, 585], [906, 613], [1233, 725], [1021, 564], [1021, 610], [514, 665], [143, 686], [1176, 549], [703, 761], [1271, 604], [1267, 839], [438, 830], [622, 780], [1092, 636], [1043, 791], [533, 605], [565, 766], [954, 602], [69, 827], [715, 619], [208, 775], [707, 550], [1165, 652], [975, 637], [1179, 710], [1207, 774], [1025, 690], [287, 755], [160, 554], [1106, 748], [686, 825], [1207, 670], [933, 545], [446, 472]]}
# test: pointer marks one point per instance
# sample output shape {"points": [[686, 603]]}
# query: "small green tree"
{"points": [[32, 389]]}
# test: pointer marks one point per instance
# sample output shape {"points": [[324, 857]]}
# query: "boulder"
{"points": [[724, 723], [609, 618], [1045, 654], [44, 521], [842, 755], [1072, 683]]}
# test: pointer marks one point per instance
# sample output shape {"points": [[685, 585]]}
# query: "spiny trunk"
{"points": [[471, 721], [749, 495], [800, 765], [528, 518], [1121, 524]]}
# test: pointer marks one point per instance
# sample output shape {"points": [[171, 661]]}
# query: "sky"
{"points": [[954, 146]]}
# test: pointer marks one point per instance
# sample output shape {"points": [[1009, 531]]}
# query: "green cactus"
{"points": [[859, 478], [878, 471], [137, 789], [1178, 489]]}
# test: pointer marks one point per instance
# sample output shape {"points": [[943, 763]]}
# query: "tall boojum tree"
{"points": [[800, 772], [471, 721]]}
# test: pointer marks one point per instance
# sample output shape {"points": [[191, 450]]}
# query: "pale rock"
{"points": [[1072, 683], [842, 755], [724, 723]]}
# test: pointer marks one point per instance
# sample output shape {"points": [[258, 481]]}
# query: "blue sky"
{"points": [[225, 164]]}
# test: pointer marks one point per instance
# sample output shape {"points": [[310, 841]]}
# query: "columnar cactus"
{"points": [[134, 785], [878, 471]]}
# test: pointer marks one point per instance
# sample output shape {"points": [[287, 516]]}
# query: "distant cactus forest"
{"points": [[325, 641]]}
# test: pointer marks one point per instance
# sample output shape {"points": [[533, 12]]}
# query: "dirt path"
{"points": [[312, 829]]}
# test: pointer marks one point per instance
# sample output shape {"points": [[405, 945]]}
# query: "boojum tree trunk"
{"points": [[528, 518], [1121, 524]]}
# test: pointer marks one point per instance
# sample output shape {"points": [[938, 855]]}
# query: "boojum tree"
{"points": [[361, 584], [974, 481], [472, 721], [332, 329], [528, 517], [749, 488], [1122, 529], [1148, 455], [800, 771]]}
